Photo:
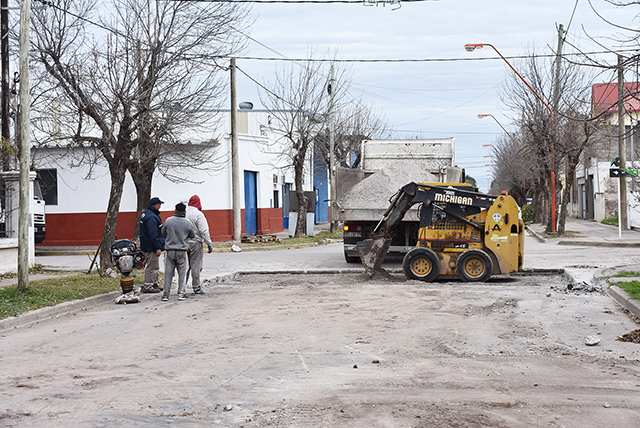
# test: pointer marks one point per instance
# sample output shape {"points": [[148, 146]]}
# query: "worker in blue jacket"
{"points": [[152, 245]]}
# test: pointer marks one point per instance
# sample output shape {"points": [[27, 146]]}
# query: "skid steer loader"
{"points": [[462, 232]]}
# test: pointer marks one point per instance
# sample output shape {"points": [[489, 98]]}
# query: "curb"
{"points": [[65, 253], [617, 294], [601, 244], [623, 299], [268, 248], [535, 234], [540, 238]]}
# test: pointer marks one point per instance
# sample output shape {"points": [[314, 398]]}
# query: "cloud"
{"points": [[427, 99]]}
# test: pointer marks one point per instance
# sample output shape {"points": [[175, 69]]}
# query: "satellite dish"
{"points": [[246, 105]]}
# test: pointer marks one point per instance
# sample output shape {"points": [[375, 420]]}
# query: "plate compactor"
{"points": [[462, 233]]}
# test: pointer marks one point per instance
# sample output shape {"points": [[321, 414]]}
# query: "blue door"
{"points": [[250, 203], [286, 190], [321, 187]]}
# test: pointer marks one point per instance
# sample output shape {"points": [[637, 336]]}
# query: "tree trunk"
{"points": [[301, 225], [143, 181], [570, 173], [541, 202], [546, 214], [118, 173]]}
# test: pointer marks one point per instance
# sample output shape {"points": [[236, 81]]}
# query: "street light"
{"points": [[480, 116], [470, 47]]}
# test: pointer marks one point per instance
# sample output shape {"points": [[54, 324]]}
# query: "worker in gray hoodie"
{"points": [[177, 231]]}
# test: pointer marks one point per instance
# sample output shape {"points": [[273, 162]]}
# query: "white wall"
{"points": [[212, 182]]}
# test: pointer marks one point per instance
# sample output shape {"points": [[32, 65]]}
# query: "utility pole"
{"points": [[6, 93], [556, 102], [25, 148], [622, 148], [235, 162], [332, 157]]}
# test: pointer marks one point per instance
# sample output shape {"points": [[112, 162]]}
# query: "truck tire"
{"points": [[421, 264], [474, 266], [351, 259]]}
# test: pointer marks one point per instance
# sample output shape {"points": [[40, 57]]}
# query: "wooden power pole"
{"points": [[622, 147], [25, 148], [235, 161]]}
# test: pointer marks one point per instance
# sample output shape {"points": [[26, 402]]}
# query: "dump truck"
{"points": [[462, 233], [385, 166]]}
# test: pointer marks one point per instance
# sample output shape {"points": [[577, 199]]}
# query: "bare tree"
{"points": [[569, 133], [535, 126], [299, 104], [514, 170], [354, 122], [128, 91]]}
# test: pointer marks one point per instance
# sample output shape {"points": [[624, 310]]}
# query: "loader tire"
{"points": [[474, 266], [421, 264]]}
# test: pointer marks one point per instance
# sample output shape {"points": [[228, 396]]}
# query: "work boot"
{"points": [[149, 288]]}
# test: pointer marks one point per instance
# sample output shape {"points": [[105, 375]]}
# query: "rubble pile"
{"points": [[581, 280], [578, 288], [633, 336]]}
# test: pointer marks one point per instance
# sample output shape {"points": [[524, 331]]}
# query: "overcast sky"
{"points": [[429, 99]]}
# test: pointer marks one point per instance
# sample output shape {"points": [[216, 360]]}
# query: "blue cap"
{"points": [[155, 201]]}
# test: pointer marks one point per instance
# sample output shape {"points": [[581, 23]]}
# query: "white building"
{"points": [[76, 206]]}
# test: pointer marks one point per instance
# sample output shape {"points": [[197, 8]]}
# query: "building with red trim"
{"points": [[77, 193]]}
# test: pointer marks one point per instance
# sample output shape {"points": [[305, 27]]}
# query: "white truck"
{"points": [[37, 212], [387, 165]]}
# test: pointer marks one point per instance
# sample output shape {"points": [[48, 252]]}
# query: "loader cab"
{"points": [[435, 213]]}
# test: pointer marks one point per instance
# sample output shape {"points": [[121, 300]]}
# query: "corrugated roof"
{"points": [[604, 97]]}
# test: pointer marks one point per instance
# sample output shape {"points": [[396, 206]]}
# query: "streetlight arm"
{"points": [[472, 46], [480, 116]]}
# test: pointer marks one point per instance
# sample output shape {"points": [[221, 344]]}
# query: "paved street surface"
{"points": [[338, 350]]}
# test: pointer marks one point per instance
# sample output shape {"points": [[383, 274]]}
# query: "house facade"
{"points": [[595, 193], [76, 193]]}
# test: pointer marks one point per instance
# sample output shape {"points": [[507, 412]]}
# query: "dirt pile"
{"points": [[375, 191]]}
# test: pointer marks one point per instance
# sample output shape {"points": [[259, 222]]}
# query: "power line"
{"points": [[363, 2], [283, 57], [401, 60]]}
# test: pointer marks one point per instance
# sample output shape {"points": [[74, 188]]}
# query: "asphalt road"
{"points": [[335, 350]]}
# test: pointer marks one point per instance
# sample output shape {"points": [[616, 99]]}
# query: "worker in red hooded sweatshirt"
{"points": [[196, 247]]}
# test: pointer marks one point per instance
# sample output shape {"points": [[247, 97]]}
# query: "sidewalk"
{"points": [[589, 233], [608, 252]]}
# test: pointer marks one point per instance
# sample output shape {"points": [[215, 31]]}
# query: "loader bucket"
{"points": [[372, 252]]}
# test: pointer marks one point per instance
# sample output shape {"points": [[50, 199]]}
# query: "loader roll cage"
{"points": [[455, 201]]}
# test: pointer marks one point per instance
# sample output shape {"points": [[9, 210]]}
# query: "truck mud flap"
{"points": [[372, 252]]}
